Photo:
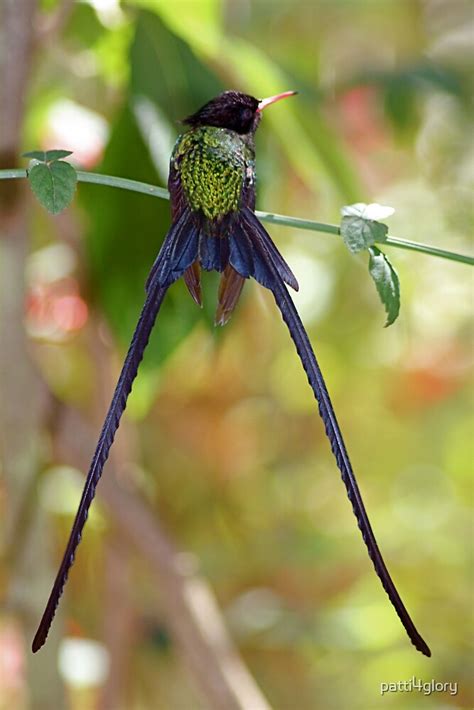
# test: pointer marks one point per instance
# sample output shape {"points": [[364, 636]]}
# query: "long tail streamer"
{"points": [[124, 386], [256, 256], [179, 250], [326, 410]]}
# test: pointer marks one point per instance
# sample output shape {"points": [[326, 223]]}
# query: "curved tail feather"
{"points": [[178, 251], [333, 432], [107, 435], [230, 288]]}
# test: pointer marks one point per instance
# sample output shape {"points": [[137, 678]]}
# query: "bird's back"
{"points": [[214, 168]]}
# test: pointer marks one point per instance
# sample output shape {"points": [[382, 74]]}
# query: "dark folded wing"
{"points": [[245, 233], [179, 250]]}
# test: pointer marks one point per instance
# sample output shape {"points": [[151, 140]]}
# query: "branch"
{"points": [[120, 620], [21, 422], [192, 613], [283, 220], [50, 25], [16, 47], [190, 609]]}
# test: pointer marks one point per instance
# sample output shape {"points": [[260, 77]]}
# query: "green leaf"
{"points": [[36, 155], [47, 156], [387, 283], [52, 155], [359, 226], [193, 83], [359, 233], [54, 184]]}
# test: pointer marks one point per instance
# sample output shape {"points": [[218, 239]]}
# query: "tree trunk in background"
{"points": [[21, 389], [192, 614]]}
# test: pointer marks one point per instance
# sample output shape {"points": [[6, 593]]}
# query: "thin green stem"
{"points": [[297, 222], [12, 174], [124, 183], [391, 241], [428, 249], [145, 188]]}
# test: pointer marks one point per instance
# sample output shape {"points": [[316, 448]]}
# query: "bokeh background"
{"points": [[221, 478]]}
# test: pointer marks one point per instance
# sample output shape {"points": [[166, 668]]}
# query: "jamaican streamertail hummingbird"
{"points": [[214, 227]]}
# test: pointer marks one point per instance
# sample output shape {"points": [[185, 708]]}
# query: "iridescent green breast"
{"points": [[213, 165]]}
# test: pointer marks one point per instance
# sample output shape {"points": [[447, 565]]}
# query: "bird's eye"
{"points": [[247, 114]]}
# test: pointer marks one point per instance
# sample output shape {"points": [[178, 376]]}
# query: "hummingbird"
{"points": [[214, 227]]}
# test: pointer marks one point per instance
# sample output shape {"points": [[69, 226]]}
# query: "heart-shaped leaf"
{"points": [[359, 226], [359, 233], [54, 184], [387, 283]]}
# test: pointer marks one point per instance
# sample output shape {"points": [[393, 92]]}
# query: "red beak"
{"points": [[271, 99]]}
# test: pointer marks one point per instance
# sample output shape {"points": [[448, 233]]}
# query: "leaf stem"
{"points": [[284, 220]]}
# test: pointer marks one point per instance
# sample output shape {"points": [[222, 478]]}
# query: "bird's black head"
{"points": [[233, 110]]}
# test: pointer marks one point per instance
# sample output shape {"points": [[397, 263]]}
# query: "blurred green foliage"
{"points": [[232, 453]]}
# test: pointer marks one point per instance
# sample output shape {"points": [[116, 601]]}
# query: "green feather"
{"points": [[213, 164]]}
